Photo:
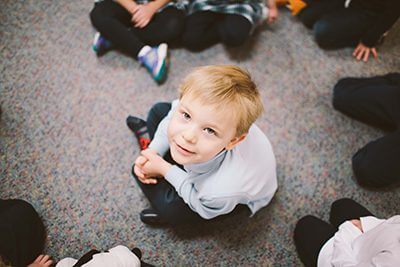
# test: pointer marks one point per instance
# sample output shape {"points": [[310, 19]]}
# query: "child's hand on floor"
{"points": [[41, 261], [362, 52], [142, 15]]}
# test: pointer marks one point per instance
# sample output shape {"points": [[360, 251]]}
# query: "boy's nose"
{"points": [[189, 136]]}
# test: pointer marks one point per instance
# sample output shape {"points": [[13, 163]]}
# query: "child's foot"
{"points": [[156, 62], [100, 44], [151, 217], [139, 128]]}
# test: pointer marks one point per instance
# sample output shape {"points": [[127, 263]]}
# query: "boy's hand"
{"points": [[132, 7], [41, 261], [138, 169], [362, 52], [272, 15], [273, 11], [142, 15], [155, 165]]}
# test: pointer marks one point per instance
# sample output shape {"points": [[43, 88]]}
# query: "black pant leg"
{"points": [[310, 234], [375, 101], [168, 204], [341, 28], [22, 233], [157, 112], [166, 26], [346, 209], [234, 29], [378, 163], [201, 30], [316, 9], [114, 23]]}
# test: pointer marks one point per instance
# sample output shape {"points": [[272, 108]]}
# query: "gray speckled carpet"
{"points": [[64, 146]]}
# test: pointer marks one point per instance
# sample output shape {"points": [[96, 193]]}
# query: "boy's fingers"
{"points": [[374, 52], [366, 55], [39, 258], [45, 258], [359, 55]]}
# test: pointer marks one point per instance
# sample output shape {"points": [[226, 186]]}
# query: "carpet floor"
{"points": [[65, 148]]}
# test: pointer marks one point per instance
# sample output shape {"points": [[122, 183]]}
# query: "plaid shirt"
{"points": [[253, 10]]}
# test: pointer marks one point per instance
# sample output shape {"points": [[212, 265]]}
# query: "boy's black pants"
{"points": [[311, 233], [163, 196], [22, 233], [205, 28], [375, 101], [334, 25], [114, 23]]}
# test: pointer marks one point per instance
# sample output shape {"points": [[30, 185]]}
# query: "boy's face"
{"points": [[198, 132]]}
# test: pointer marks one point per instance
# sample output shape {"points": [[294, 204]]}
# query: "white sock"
{"points": [[144, 51]]}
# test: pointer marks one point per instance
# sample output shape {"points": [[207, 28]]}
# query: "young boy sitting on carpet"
{"points": [[215, 158]]}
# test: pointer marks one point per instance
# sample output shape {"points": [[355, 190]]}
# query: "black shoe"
{"points": [[139, 128], [151, 217]]}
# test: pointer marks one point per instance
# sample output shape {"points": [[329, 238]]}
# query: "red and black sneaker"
{"points": [[139, 128]]}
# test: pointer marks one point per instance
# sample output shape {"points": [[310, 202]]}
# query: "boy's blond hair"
{"points": [[229, 88]]}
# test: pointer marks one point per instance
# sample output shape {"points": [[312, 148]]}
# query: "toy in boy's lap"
{"points": [[295, 6]]}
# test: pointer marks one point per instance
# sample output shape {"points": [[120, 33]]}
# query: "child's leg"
{"points": [[155, 116], [167, 203], [342, 28], [114, 23], [378, 163], [165, 27], [375, 100], [310, 234], [22, 226], [201, 31], [144, 131], [316, 9], [234, 29], [346, 209]]}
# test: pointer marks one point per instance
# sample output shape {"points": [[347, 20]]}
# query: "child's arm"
{"points": [[273, 11], [144, 13], [382, 24]]}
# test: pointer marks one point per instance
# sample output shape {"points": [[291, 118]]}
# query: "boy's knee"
{"points": [[323, 34], [366, 172], [173, 28], [96, 17], [192, 41], [302, 225], [340, 95], [340, 204], [233, 37]]}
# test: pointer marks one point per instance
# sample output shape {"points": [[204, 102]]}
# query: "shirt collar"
{"points": [[207, 166]]}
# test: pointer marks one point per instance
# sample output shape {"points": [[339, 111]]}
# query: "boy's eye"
{"points": [[185, 115], [209, 131]]}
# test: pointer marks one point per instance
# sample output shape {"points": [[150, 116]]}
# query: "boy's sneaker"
{"points": [[100, 44], [151, 217], [139, 128], [156, 62]]}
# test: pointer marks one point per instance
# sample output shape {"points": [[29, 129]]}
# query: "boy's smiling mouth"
{"points": [[183, 150]]}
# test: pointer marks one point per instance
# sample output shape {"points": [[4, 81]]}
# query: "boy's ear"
{"points": [[235, 141]]}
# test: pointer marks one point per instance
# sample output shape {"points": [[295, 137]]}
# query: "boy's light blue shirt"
{"points": [[244, 175]]}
